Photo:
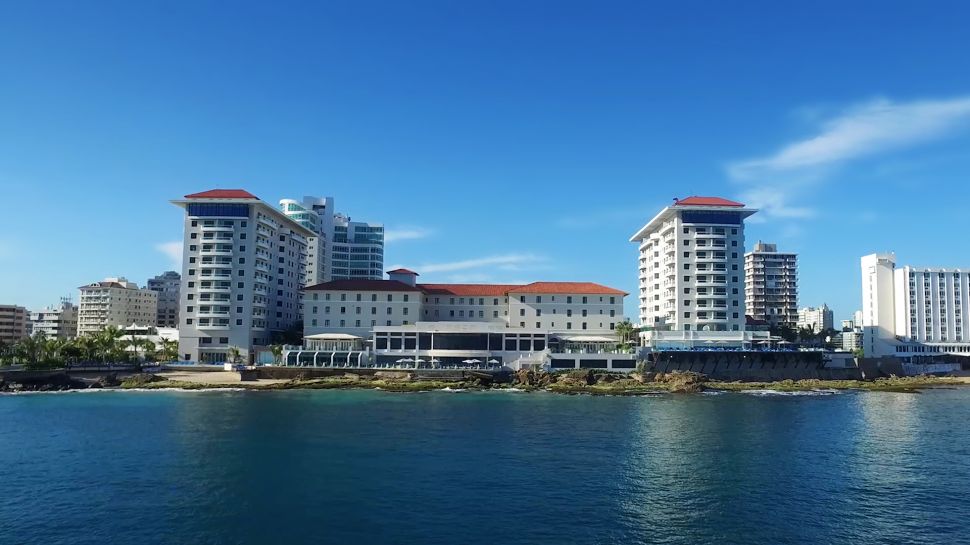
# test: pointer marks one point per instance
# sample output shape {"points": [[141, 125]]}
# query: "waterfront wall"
{"points": [[750, 366]]}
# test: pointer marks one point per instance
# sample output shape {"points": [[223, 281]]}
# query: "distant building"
{"points": [[115, 302], [340, 249], [691, 267], [56, 321], [13, 323], [356, 307], [771, 285], [913, 313], [167, 286], [851, 340], [243, 266], [817, 319]]}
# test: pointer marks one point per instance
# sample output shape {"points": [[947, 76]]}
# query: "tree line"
{"points": [[110, 345]]}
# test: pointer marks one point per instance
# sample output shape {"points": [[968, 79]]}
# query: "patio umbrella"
{"points": [[405, 360], [493, 361]]}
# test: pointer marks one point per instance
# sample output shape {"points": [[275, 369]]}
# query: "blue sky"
{"points": [[497, 141]]}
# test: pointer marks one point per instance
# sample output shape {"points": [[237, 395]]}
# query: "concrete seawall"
{"points": [[751, 366]]}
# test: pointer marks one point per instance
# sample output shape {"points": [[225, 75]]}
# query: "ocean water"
{"points": [[366, 467]]}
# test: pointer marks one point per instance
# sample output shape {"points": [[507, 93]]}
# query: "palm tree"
{"points": [[4, 352], [232, 354], [27, 350], [624, 330], [277, 350], [107, 340], [169, 350]]}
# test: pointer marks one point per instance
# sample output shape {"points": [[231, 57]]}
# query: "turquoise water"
{"points": [[483, 468]]}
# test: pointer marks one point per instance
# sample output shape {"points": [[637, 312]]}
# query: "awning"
{"points": [[586, 339], [332, 337]]}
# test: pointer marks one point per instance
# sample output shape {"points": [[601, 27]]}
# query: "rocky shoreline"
{"points": [[570, 382]]}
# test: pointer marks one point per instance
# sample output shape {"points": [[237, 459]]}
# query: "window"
{"points": [[686, 254], [686, 266], [521, 312]]}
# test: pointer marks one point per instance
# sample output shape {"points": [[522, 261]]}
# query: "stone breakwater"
{"points": [[568, 382]]}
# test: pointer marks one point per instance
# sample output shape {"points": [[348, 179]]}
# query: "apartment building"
{"points": [[817, 319], [13, 323], [356, 307], [167, 286], [771, 285], [56, 321], [691, 266], [340, 248], [913, 313], [115, 302], [244, 264]]}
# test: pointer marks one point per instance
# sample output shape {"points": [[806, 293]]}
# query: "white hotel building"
{"points": [[559, 324], [115, 302], [771, 285], [913, 313], [340, 248], [692, 266], [243, 266]]}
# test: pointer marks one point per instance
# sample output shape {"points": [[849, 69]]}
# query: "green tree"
{"points": [[109, 344], [168, 350], [232, 354], [277, 350], [625, 331]]}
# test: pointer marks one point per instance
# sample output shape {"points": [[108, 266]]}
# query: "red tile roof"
{"points": [[361, 285], [585, 288], [490, 290], [403, 271], [223, 194], [707, 201]]}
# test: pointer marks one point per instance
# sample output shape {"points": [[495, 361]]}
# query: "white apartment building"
{"points": [[167, 286], [13, 323], [691, 266], [56, 321], [356, 307], [771, 285], [115, 302], [340, 248], [243, 267], [913, 313], [817, 319]]}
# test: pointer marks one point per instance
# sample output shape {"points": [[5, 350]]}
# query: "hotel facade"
{"points": [[56, 321], [167, 286], [691, 266], [115, 302], [551, 324], [13, 323], [244, 264], [340, 248], [771, 285], [915, 314]]}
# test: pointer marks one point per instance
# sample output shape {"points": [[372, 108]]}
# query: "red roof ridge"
{"points": [[589, 288], [696, 200], [223, 194], [403, 271]]}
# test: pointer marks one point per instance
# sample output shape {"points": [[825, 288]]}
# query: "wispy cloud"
{"points": [[406, 233], [773, 182], [478, 269], [173, 250], [506, 262], [868, 129]]}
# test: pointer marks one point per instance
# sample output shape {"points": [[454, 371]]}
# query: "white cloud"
{"points": [[773, 182], [868, 129], [173, 250], [406, 233], [506, 262]]}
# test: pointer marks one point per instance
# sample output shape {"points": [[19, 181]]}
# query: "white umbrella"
{"points": [[493, 361], [405, 360], [418, 360], [435, 360]]}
